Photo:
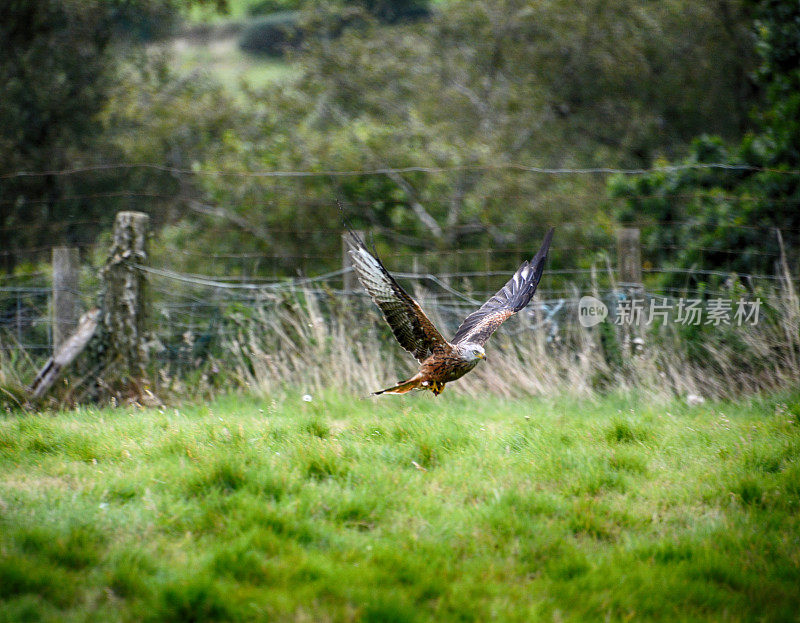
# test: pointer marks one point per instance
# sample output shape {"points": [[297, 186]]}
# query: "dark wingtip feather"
{"points": [[524, 295], [514, 295], [541, 254]]}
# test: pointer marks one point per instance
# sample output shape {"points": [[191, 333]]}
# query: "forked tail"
{"points": [[402, 388]]}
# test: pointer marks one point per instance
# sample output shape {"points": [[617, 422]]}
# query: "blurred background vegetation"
{"points": [[212, 91]]}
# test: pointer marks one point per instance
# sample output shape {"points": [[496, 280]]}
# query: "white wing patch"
{"points": [[410, 326]]}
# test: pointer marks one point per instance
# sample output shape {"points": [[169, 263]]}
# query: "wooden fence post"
{"points": [[65, 294], [445, 266], [629, 257], [72, 346], [124, 293], [415, 264], [349, 279]]}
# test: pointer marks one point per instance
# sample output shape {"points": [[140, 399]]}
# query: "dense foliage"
{"points": [[476, 86], [473, 88], [274, 34], [706, 214], [60, 65]]}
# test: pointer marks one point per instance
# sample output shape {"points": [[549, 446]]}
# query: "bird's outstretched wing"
{"points": [[516, 294], [408, 322]]}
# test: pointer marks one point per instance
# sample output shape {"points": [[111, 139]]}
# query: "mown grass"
{"points": [[409, 509]]}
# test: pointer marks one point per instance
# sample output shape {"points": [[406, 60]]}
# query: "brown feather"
{"points": [[401, 388], [408, 322]]}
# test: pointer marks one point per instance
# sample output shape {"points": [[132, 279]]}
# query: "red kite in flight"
{"points": [[442, 361]]}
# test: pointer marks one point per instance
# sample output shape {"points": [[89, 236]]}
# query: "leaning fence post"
{"points": [[72, 346], [629, 257], [124, 293], [65, 294]]}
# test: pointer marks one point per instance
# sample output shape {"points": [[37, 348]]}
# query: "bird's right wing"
{"points": [[516, 294], [408, 322]]}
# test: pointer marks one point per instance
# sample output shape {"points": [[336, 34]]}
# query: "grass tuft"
{"points": [[191, 599], [225, 476], [623, 431], [75, 547]]}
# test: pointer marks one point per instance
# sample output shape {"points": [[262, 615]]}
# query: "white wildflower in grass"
{"points": [[693, 400]]}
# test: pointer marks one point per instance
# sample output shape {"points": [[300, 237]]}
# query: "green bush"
{"points": [[268, 7], [393, 11], [273, 35]]}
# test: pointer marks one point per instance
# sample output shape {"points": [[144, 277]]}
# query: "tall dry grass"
{"points": [[312, 343]]}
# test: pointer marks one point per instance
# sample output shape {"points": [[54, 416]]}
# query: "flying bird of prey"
{"points": [[442, 361]]}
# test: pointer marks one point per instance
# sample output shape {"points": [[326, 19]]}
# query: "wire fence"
{"points": [[479, 265], [195, 294], [191, 315], [26, 318]]}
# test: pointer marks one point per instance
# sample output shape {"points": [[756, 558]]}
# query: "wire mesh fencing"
{"points": [[201, 326]]}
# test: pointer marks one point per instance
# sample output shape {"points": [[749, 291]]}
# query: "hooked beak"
{"points": [[481, 356]]}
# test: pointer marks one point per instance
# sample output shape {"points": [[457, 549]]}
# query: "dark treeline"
{"points": [[463, 86]]}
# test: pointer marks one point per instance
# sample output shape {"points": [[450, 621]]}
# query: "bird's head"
{"points": [[471, 351]]}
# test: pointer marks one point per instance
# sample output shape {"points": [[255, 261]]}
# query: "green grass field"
{"points": [[409, 509]]}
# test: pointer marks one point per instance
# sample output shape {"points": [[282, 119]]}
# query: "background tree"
{"points": [[59, 63], [706, 214], [476, 85], [481, 84]]}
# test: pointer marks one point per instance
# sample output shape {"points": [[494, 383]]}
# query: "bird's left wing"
{"points": [[516, 294], [408, 322]]}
